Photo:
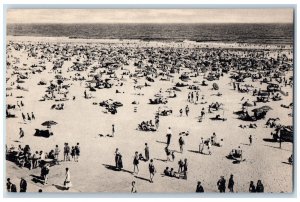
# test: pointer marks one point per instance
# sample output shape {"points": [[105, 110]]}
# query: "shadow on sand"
{"points": [[59, 187], [37, 179], [142, 178], [111, 167]]}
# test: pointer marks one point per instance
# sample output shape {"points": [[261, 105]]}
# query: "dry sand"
{"points": [[81, 121]]}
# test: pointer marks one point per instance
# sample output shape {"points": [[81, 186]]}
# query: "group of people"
{"points": [[29, 118], [74, 152]]}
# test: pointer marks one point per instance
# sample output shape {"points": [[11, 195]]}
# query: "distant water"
{"points": [[240, 33]]}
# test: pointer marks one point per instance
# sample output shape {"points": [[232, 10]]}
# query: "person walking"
{"points": [[181, 143], [23, 185], [28, 117], [152, 170], [24, 117], [67, 182], [147, 155], [252, 187], [231, 184], [180, 111], [133, 188], [136, 162], [199, 188], [185, 169], [221, 184], [21, 133]]}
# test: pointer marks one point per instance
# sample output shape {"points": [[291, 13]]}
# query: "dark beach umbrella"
{"points": [[49, 123]]}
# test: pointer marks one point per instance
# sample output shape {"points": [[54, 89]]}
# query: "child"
{"points": [[73, 151]]}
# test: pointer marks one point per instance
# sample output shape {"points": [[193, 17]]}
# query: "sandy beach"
{"points": [[83, 121]]}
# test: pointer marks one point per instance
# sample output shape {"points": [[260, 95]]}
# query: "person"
{"points": [[199, 188], [67, 182], [180, 111], [185, 169], [35, 159], [44, 173], [13, 188], [169, 135], [221, 184], [259, 187], [152, 170], [231, 183], [167, 172], [133, 188], [28, 117], [136, 162], [181, 143], [168, 152], [23, 185], [290, 159], [250, 140], [147, 156], [56, 153], [32, 116], [252, 187], [172, 172], [66, 152], [202, 113], [187, 110], [21, 133], [180, 166], [113, 130], [201, 146], [118, 160], [73, 153], [8, 185], [77, 152], [24, 117]]}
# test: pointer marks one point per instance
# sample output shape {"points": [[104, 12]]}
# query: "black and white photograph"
{"points": [[197, 100]]}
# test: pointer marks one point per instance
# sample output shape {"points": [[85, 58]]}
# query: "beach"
{"points": [[83, 121]]}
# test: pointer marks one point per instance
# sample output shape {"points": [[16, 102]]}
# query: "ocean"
{"points": [[228, 33]]}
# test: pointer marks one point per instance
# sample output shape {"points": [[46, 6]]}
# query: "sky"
{"points": [[149, 15]]}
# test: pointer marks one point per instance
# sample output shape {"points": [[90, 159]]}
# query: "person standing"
{"points": [[118, 160], [231, 183], [77, 152], [147, 155], [44, 173], [67, 182], [180, 111], [187, 110], [113, 130], [67, 152], [56, 153], [8, 185], [13, 188], [221, 184], [259, 187], [252, 187], [169, 135], [32, 116], [23, 185], [24, 117], [28, 117], [250, 140], [199, 188], [181, 143], [21, 133], [136, 162], [185, 169], [133, 188], [152, 170]]}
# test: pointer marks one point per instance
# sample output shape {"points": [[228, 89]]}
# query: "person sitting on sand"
{"points": [[167, 172]]}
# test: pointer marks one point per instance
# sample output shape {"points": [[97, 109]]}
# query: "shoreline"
{"points": [[152, 43]]}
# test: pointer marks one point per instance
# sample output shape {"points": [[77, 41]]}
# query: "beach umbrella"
{"points": [[49, 123]]}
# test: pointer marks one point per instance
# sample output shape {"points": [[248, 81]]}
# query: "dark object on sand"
{"points": [[42, 133]]}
